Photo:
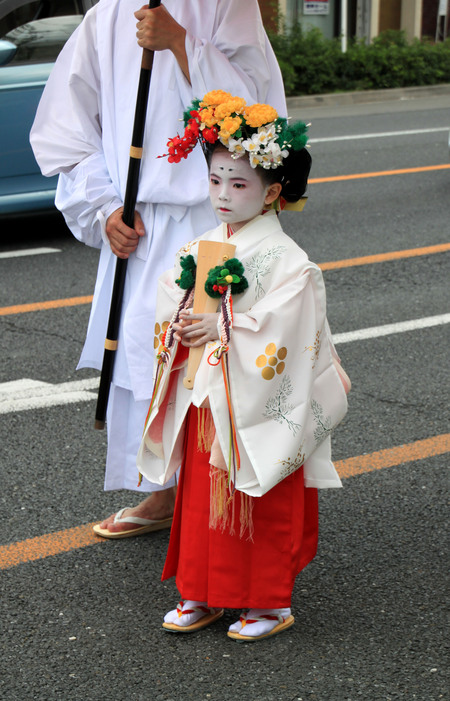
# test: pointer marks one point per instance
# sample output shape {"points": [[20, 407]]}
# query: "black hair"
{"points": [[292, 175]]}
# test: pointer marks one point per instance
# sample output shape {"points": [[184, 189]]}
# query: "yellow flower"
{"points": [[224, 137], [207, 117], [257, 115], [225, 109], [215, 97], [230, 125]]}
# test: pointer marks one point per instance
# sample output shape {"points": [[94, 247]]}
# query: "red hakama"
{"points": [[229, 571]]}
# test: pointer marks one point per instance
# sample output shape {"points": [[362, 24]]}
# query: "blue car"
{"points": [[31, 36]]}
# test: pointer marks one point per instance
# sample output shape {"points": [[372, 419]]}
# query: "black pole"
{"points": [[128, 218]]}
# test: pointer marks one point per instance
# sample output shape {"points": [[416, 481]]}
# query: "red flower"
{"points": [[193, 127], [180, 146], [210, 134]]}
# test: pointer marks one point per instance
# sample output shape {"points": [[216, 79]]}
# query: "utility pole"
{"points": [[344, 25]]}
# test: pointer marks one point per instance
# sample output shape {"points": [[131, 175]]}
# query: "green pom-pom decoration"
{"points": [[220, 277], [293, 135], [188, 272]]}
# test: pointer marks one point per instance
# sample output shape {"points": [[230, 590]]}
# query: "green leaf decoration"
{"points": [[217, 282], [188, 272], [194, 106]]}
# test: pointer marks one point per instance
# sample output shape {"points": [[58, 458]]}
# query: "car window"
{"points": [[39, 29]]}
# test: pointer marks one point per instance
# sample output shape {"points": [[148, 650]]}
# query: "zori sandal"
{"points": [[145, 525], [207, 616], [284, 622]]}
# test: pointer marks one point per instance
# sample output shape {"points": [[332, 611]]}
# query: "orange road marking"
{"points": [[82, 536], [437, 445], [51, 304], [383, 257], [360, 176], [332, 265], [47, 545]]}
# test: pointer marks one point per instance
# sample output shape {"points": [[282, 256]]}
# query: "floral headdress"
{"points": [[255, 130]]}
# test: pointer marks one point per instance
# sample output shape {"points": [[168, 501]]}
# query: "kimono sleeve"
{"points": [[237, 58], [285, 392], [67, 125], [66, 137]]}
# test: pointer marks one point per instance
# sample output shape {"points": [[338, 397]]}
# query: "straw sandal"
{"points": [[210, 616], [283, 624]]}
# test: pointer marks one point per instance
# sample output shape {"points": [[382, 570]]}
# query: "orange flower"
{"points": [[234, 106], [207, 117], [215, 97], [229, 126], [257, 115]]}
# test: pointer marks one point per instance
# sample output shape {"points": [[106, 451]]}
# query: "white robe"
{"points": [[82, 131], [286, 393]]}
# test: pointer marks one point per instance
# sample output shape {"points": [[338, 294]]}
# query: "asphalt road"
{"points": [[371, 609]]}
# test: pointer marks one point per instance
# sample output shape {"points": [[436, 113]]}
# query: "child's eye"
{"points": [[239, 185], [213, 181]]}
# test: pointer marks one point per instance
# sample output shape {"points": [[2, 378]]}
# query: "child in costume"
{"points": [[252, 430]]}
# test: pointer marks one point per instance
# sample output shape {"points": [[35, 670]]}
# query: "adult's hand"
{"points": [[157, 30], [122, 238]]}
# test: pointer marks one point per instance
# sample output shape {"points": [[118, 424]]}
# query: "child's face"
{"points": [[236, 191]]}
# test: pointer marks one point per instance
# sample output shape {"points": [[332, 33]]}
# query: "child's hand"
{"points": [[196, 334]]}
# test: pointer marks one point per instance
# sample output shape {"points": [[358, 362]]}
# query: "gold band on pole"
{"points": [[136, 152], [110, 345]]}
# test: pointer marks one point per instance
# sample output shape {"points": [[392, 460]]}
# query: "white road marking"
{"points": [[388, 329], [29, 252], [26, 394], [379, 135]]}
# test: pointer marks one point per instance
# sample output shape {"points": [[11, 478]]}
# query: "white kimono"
{"points": [[82, 131], [286, 393]]}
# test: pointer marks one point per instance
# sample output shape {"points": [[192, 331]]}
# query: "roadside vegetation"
{"points": [[312, 64]]}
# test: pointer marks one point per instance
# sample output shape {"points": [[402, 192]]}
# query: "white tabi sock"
{"points": [[180, 617], [260, 625]]}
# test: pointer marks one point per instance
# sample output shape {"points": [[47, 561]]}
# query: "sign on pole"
{"points": [[316, 7]]}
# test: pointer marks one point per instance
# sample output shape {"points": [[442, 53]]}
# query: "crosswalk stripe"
{"points": [[28, 252]]}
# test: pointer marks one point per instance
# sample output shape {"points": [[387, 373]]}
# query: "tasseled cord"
{"points": [[223, 490], [220, 355], [163, 356]]}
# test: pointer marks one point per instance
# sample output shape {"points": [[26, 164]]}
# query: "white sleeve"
{"points": [[86, 197], [238, 58], [66, 137], [67, 125]]}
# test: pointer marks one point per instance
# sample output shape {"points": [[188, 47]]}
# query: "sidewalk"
{"points": [[366, 96]]}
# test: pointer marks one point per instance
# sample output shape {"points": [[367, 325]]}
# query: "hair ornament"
{"points": [[255, 130]]}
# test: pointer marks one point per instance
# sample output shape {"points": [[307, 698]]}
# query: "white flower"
{"points": [[274, 148], [272, 155], [235, 147], [255, 160], [266, 133], [251, 144]]}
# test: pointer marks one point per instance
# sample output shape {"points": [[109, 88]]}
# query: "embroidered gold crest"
{"points": [[159, 332]]}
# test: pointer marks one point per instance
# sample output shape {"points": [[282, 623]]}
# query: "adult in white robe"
{"points": [[82, 131], [286, 391]]}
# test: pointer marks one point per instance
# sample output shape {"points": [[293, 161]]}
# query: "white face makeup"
{"points": [[236, 191]]}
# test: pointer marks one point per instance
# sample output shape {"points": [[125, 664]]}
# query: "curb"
{"points": [[365, 96]]}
